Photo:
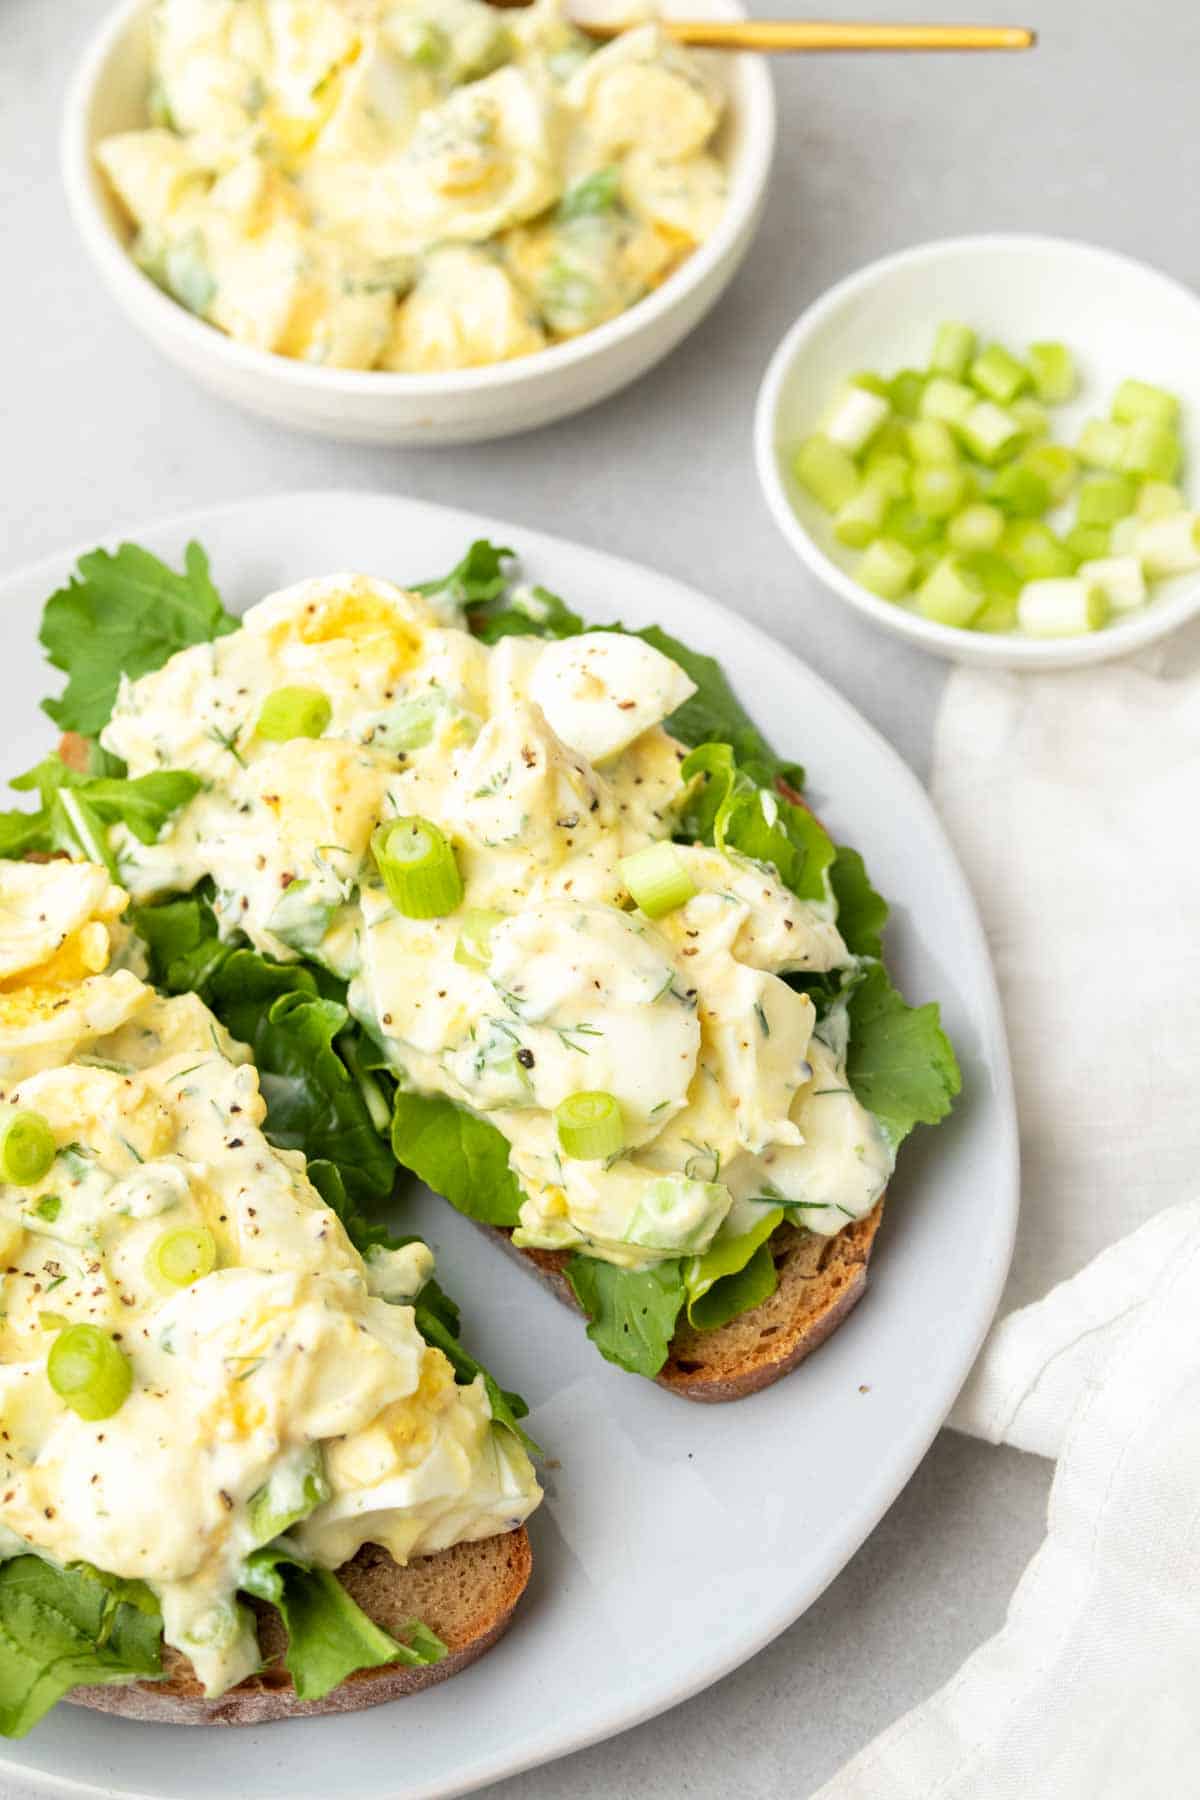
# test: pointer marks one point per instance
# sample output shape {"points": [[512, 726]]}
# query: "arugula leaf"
{"points": [[531, 612], [124, 613], [732, 1275], [507, 1408], [76, 810], [900, 1062], [62, 1627], [729, 809], [861, 912], [329, 1635], [478, 578], [462, 1158], [632, 1314]]}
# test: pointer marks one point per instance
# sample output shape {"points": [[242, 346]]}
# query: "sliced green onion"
{"points": [[1061, 608], [419, 868], [947, 401], [1053, 370], [1121, 578], [1020, 492], [854, 418], [909, 526], [409, 724], [1034, 551], [991, 434], [1057, 467], [998, 375], [27, 1147], [1157, 499], [1087, 542], [951, 594], [589, 1126], [931, 442], [940, 491], [1103, 499], [1169, 546], [658, 879], [1151, 450], [182, 1256], [294, 712], [1142, 400], [827, 471], [1102, 444], [976, 527], [474, 946], [953, 348], [905, 391], [887, 569], [89, 1371]]}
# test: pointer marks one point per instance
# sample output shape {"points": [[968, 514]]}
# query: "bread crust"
{"points": [[819, 1281], [466, 1594]]}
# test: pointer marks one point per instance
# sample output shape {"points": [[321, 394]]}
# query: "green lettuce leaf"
{"points": [[474, 581], [62, 1627], [632, 1314], [531, 612], [728, 808], [329, 1635], [462, 1158], [124, 613], [900, 1062], [734, 1274], [861, 912], [75, 810]]}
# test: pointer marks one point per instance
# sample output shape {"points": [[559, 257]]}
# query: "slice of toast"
{"points": [[819, 1280], [466, 1594]]}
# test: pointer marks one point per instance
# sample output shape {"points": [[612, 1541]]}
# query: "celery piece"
{"points": [[1053, 370], [1032, 417], [827, 471], [991, 434], [1034, 551], [1020, 492], [887, 569], [1102, 444], [889, 473], [905, 391], [1000, 580], [1151, 450], [1142, 400], [1122, 539], [854, 418], [1122, 579], [998, 375], [1087, 542], [953, 348], [931, 441], [906, 523], [1156, 499], [939, 491], [874, 384], [890, 440], [1103, 499], [1057, 608], [951, 593], [948, 401], [996, 615], [1057, 467], [861, 518], [976, 527], [1169, 546]]}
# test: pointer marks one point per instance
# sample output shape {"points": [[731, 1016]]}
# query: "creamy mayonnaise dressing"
{"points": [[544, 763], [413, 184], [292, 1357]]}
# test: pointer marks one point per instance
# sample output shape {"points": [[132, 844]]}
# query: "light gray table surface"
{"points": [[1086, 138]]}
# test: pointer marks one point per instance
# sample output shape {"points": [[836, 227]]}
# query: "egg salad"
{"points": [[194, 1359], [479, 841], [414, 185]]}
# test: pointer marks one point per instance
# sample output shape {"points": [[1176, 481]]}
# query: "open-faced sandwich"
{"points": [[615, 989]]}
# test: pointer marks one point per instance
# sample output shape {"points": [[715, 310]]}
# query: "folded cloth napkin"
{"points": [[1074, 803]]}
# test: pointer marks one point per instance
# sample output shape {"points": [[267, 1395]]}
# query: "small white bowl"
{"points": [[373, 406], [1120, 318]]}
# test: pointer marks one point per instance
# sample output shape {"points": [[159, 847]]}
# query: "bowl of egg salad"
{"points": [[412, 221]]}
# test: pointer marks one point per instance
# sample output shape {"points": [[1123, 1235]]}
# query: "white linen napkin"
{"points": [[1074, 803]]}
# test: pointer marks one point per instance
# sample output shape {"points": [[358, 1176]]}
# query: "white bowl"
{"points": [[372, 406], [1119, 316]]}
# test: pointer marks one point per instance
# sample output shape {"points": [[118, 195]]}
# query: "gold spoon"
{"points": [[817, 34]]}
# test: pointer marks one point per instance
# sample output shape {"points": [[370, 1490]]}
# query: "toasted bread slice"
{"points": [[467, 1594], [819, 1280]]}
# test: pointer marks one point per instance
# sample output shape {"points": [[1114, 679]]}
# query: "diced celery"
{"points": [[931, 441], [1102, 444], [1000, 580], [889, 473], [991, 434], [938, 491], [953, 348], [905, 391], [1034, 551], [1157, 499], [827, 471], [998, 375], [949, 401], [951, 593], [861, 519], [1086, 542], [890, 440], [996, 615], [1169, 546], [1053, 370], [874, 384], [854, 418], [1061, 608], [1020, 492], [1121, 578], [976, 527], [1151, 450], [1142, 400], [1122, 539], [1057, 467], [910, 526], [1103, 499], [1032, 417], [887, 569]]}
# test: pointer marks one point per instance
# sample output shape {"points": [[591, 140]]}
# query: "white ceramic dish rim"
{"points": [[906, 1446], [1126, 636], [758, 123]]}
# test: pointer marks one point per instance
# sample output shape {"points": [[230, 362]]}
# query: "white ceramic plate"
{"points": [[676, 1539]]}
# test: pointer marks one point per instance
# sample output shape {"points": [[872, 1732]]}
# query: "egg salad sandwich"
{"points": [[238, 1481], [611, 986]]}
